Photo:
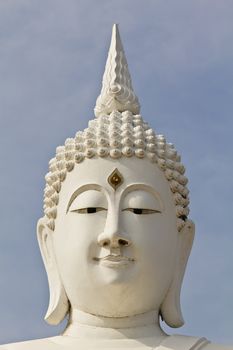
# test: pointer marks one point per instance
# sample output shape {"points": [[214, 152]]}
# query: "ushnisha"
{"points": [[115, 238]]}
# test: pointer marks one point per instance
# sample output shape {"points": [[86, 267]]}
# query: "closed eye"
{"points": [[140, 211], [89, 210]]}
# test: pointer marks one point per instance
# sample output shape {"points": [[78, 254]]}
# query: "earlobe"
{"points": [[170, 309], [58, 302]]}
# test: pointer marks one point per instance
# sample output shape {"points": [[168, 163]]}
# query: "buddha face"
{"points": [[115, 241]]}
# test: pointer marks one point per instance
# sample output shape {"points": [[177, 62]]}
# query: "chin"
{"points": [[116, 276]]}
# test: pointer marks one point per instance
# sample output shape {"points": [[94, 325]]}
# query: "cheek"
{"points": [[75, 240], [154, 240]]}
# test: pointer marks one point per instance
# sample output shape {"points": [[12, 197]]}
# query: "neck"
{"points": [[83, 325]]}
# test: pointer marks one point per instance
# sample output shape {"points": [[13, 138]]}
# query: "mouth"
{"points": [[112, 260]]}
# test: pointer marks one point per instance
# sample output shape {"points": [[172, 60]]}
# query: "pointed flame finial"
{"points": [[117, 91]]}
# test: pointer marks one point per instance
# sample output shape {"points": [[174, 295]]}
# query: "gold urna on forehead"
{"points": [[115, 179]]}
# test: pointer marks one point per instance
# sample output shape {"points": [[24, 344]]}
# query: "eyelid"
{"points": [[143, 211], [142, 196], [81, 191], [85, 210]]}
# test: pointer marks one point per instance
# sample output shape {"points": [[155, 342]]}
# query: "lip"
{"points": [[114, 260]]}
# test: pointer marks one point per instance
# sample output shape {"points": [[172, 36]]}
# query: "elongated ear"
{"points": [[170, 309], [58, 301]]}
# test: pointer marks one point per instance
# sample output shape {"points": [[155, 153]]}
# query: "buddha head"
{"points": [[115, 237]]}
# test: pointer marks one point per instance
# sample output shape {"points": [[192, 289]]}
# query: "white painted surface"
{"points": [[116, 268]]}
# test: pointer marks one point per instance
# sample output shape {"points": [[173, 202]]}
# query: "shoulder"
{"points": [[182, 342], [37, 344], [212, 346]]}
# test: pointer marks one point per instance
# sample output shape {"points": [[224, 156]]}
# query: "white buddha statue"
{"points": [[116, 237]]}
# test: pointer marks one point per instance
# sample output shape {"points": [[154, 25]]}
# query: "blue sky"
{"points": [[52, 57]]}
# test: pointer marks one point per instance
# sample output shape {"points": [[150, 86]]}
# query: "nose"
{"points": [[113, 236], [113, 239]]}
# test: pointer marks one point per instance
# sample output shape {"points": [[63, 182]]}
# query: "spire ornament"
{"points": [[117, 92]]}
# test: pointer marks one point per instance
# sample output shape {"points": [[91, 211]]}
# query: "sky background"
{"points": [[52, 57]]}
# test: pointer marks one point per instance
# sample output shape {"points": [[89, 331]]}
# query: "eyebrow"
{"points": [[81, 189], [147, 188]]}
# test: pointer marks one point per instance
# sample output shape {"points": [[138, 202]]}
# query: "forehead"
{"points": [[133, 170]]}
